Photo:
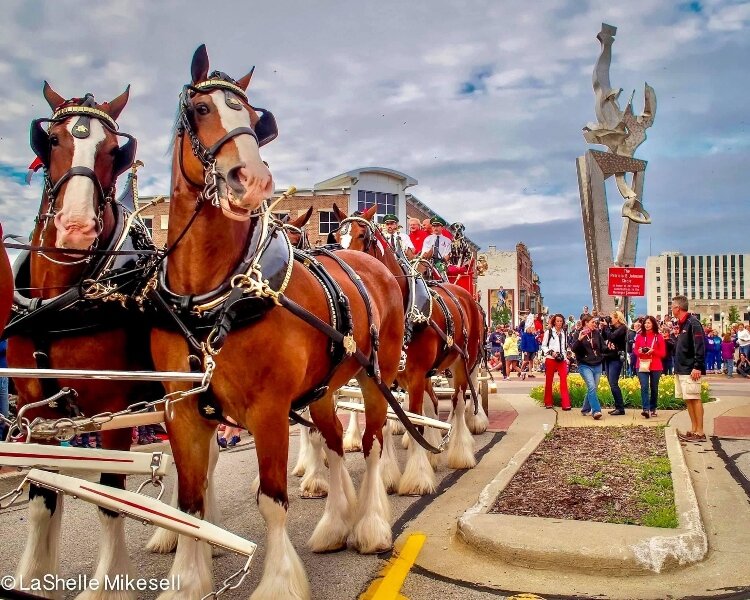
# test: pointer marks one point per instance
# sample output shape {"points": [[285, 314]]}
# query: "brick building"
{"points": [[350, 191]]}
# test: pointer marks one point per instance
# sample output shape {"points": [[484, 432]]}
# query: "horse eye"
{"points": [[202, 109], [54, 140]]}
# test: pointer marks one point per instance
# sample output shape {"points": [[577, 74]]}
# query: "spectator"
{"points": [[496, 363], [233, 433], [510, 347], [727, 354], [416, 235], [615, 336], [743, 366], [689, 365], [585, 312], [649, 347], [571, 323], [669, 332], [588, 349], [496, 340], [538, 323], [713, 351], [743, 339], [632, 358], [529, 348], [555, 351], [529, 322]]}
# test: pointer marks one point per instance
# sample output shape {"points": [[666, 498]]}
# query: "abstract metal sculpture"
{"points": [[622, 132]]}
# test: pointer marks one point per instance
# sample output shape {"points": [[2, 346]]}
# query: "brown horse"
{"points": [[6, 284], [295, 230], [82, 160], [427, 351], [266, 364]]}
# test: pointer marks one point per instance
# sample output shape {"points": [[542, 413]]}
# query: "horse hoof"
{"points": [[312, 495]]}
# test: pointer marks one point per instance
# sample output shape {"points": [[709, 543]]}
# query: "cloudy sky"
{"points": [[481, 101]]}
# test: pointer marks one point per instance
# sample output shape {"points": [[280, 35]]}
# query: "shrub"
{"points": [[631, 392]]}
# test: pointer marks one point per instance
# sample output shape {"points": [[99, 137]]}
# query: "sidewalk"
{"points": [[722, 492]]}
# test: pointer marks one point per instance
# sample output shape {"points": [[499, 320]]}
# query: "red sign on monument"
{"points": [[627, 281]]}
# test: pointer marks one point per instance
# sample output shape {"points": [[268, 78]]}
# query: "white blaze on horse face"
{"points": [[345, 236], [76, 219], [254, 174]]}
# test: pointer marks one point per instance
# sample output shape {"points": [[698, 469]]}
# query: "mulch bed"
{"points": [[601, 474]]}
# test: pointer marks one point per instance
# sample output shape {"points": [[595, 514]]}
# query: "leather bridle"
{"points": [[371, 235], [40, 143], [265, 131]]}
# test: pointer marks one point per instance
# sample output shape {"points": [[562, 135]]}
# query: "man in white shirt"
{"points": [[394, 236], [743, 339], [437, 247]]}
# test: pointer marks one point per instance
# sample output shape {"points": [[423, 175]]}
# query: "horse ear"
{"points": [[370, 212], [308, 214], [340, 215], [245, 81], [114, 108], [199, 66], [52, 97]]}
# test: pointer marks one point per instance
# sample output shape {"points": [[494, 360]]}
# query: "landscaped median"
{"points": [[587, 546], [631, 392]]}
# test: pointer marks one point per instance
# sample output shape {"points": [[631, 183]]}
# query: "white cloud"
{"points": [[357, 84]]}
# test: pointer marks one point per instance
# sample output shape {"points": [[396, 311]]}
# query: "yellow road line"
{"points": [[394, 575]]}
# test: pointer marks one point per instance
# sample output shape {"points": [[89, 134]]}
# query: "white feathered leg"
{"points": [[164, 541], [418, 478], [372, 530], [432, 435], [315, 482], [353, 435], [389, 464], [333, 528], [284, 576], [461, 445], [192, 568], [477, 423], [304, 448], [397, 427], [41, 555], [113, 561]]}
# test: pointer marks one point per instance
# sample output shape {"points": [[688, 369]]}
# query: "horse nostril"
{"points": [[233, 179]]}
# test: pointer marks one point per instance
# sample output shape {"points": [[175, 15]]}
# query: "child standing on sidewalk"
{"points": [[727, 353]]}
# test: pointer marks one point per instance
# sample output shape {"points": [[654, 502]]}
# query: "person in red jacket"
{"points": [[649, 348]]}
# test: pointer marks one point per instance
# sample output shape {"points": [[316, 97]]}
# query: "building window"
{"points": [[328, 222], [658, 269], [149, 223], [165, 221], [658, 298], [658, 278], [658, 308], [387, 203], [658, 289]]}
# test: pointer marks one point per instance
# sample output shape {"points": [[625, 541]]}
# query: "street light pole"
{"points": [[722, 323]]}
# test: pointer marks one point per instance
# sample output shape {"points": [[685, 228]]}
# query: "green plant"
{"points": [[631, 392], [734, 314], [596, 481], [500, 316]]}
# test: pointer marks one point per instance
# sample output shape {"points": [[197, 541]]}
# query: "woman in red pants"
{"points": [[555, 351]]}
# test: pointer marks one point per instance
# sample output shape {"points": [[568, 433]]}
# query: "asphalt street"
{"points": [[343, 575]]}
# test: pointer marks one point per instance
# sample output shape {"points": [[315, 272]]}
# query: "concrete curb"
{"points": [[582, 546]]}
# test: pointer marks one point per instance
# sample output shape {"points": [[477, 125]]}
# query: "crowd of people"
{"points": [[597, 345]]}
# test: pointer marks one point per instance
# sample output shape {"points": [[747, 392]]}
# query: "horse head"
{"points": [[358, 231], [225, 134], [294, 229], [82, 159]]}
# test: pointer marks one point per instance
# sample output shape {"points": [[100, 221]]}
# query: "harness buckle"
{"points": [[350, 346]]}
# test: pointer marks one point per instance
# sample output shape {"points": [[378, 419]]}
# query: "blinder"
{"points": [[40, 144]]}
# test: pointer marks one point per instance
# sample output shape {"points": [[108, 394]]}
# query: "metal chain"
{"points": [[229, 583], [65, 428]]}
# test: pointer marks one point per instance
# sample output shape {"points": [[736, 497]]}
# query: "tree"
{"points": [[500, 316], [734, 314]]}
